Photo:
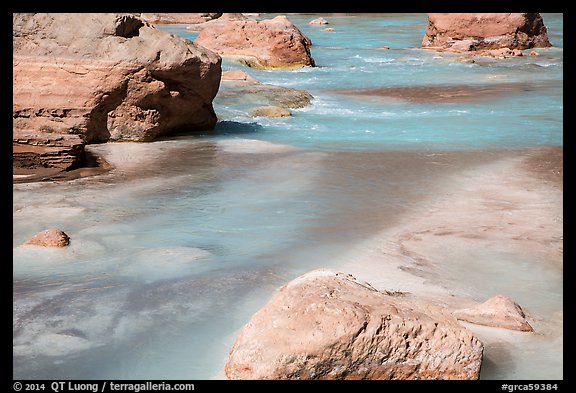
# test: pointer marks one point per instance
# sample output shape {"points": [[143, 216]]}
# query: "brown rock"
{"points": [[262, 94], [503, 53], [225, 17], [271, 43], [270, 111], [327, 325], [462, 31], [181, 17], [329, 29], [99, 77], [498, 311], [47, 149], [50, 238]]}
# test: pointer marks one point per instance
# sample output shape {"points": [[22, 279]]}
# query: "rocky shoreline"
{"points": [[386, 314], [125, 80]]}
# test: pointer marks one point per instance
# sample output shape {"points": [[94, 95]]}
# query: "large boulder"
{"points": [[327, 325], [467, 31], [270, 43], [84, 78]]}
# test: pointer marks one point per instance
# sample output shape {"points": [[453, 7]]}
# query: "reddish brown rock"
{"points": [[237, 75], [84, 78], [498, 311], [467, 31], [50, 238], [327, 325], [271, 43]]}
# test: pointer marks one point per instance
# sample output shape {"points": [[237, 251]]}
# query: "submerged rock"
{"points": [[263, 94], [85, 78], [498, 311], [270, 111], [50, 238], [327, 325], [479, 31], [270, 43]]}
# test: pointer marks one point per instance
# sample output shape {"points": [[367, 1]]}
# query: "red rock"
{"points": [[237, 75], [50, 238], [498, 311], [467, 31], [84, 78], [327, 325], [271, 43]]}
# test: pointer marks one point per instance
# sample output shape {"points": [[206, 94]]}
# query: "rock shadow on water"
{"points": [[226, 128]]}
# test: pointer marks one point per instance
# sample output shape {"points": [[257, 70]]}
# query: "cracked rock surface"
{"points": [[328, 325]]}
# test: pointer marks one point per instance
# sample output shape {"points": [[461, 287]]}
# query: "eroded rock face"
{"points": [[104, 77], [479, 31], [327, 325], [271, 43], [498, 311]]}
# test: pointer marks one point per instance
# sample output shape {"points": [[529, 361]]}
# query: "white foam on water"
{"points": [[161, 263], [53, 345]]}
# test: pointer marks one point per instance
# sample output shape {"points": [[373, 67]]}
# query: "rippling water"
{"points": [[172, 253]]}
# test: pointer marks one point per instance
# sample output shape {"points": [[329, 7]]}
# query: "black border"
{"points": [[275, 6]]}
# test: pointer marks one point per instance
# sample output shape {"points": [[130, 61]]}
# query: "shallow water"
{"points": [[172, 252]]}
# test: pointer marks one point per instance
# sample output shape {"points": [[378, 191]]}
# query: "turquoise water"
{"points": [[173, 251]]}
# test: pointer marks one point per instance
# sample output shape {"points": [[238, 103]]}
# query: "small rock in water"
{"points": [[50, 238], [237, 75], [319, 21], [498, 311]]}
